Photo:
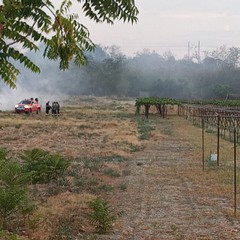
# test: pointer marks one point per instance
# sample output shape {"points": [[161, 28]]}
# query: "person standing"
{"points": [[48, 107]]}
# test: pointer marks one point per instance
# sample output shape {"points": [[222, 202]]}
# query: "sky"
{"points": [[172, 25], [163, 25]]}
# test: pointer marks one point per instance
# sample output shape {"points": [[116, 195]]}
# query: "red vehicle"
{"points": [[28, 106]]}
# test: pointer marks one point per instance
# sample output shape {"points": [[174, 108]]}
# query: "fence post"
{"points": [[203, 143]]}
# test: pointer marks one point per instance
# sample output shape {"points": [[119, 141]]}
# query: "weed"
{"points": [[126, 172], [89, 135], [87, 236], [80, 181], [5, 235], [89, 99], [93, 164], [34, 221], [44, 166], [210, 130], [168, 131], [115, 158], [17, 126], [134, 148], [94, 181], [144, 128], [123, 186], [112, 172], [173, 227], [106, 187], [123, 115], [102, 215], [14, 198]]}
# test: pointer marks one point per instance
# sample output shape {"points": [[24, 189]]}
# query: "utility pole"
{"points": [[188, 51], [199, 58]]}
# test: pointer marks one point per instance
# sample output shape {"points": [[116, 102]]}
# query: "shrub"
{"points": [[14, 200], [112, 172], [3, 153], [144, 128], [44, 166], [102, 216], [11, 173]]}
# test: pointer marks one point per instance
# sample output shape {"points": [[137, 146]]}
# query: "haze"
{"points": [[169, 25], [150, 54]]}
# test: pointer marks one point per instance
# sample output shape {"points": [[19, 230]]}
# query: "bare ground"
{"points": [[168, 196]]}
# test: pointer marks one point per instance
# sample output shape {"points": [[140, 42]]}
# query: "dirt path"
{"points": [[164, 200]]}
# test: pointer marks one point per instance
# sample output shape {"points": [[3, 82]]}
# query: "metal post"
{"points": [[235, 173], [218, 136], [203, 143]]}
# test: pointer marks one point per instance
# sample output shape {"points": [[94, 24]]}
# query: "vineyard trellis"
{"points": [[219, 119], [219, 116]]}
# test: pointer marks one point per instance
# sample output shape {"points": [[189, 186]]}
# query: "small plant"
{"points": [[14, 200], [144, 128], [17, 126], [93, 164], [115, 158], [126, 172], [173, 227], [5, 235], [44, 166], [107, 187], [102, 215], [123, 186], [3, 153], [168, 131], [112, 172], [134, 148]]}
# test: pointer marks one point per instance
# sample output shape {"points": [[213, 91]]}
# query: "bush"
{"points": [[11, 173], [102, 216], [44, 166], [14, 200]]}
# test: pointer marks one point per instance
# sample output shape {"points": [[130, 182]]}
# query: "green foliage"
{"points": [[11, 173], [93, 164], [5, 235], [12, 199], [112, 172], [144, 128], [25, 24], [102, 215], [13, 190], [43, 166], [3, 154], [123, 186], [155, 101], [106, 187]]}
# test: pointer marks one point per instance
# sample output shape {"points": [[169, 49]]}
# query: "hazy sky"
{"points": [[170, 24]]}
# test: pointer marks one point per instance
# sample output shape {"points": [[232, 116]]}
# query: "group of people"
{"points": [[55, 108]]}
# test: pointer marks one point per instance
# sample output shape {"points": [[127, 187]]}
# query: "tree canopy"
{"points": [[26, 23]]}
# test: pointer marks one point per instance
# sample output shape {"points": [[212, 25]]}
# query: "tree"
{"points": [[228, 57], [26, 23]]}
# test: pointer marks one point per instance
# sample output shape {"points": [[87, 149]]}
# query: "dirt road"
{"points": [[169, 196]]}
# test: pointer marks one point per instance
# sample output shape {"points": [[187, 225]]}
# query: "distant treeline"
{"points": [[110, 73]]}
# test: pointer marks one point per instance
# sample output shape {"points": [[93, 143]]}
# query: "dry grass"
{"points": [[93, 130], [85, 131]]}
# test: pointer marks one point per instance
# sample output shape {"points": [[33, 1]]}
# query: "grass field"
{"points": [[114, 155]]}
